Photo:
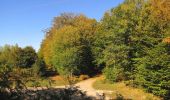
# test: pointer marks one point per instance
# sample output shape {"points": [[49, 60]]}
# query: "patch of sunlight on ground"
{"points": [[121, 91]]}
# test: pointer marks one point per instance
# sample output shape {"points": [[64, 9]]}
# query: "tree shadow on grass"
{"points": [[70, 93]]}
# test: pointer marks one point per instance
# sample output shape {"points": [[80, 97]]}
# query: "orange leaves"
{"points": [[161, 9], [167, 40], [66, 35]]}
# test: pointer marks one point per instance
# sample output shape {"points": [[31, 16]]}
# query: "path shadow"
{"points": [[71, 93]]}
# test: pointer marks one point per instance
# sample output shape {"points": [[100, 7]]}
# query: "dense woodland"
{"points": [[130, 43]]}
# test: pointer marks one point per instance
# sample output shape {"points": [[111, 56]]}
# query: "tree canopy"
{"points": [[69, 45]]}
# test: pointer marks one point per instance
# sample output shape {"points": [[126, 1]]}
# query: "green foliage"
{"points": [[152, 59], [12, 76], [8, 55], [115, 40], [12, 81], [129, 44], [68, 45], [4, 77], [26, 57], [65, 57], [41, 66], [154, 70], [114, 74], [18, 57]]}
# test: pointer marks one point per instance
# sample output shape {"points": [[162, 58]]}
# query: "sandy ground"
{"points": [[86, 85]]}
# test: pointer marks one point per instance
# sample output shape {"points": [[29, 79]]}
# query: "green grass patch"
{"points": [[120, 90], [103, 85]]}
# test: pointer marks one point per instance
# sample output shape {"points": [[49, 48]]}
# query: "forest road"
{"points": [[86, 86]]}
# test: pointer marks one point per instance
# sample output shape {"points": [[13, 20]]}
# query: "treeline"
{"points": [[17, 67], [130, 43], [133, 44], [22, 72], [16, 58]]}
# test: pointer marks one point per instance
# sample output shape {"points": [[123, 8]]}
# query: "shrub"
{"points": [[114, 74]]}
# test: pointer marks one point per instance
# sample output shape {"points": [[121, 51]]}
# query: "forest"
{"points": [[131, 43]]}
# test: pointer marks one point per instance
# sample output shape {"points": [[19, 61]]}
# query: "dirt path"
{"points": [[86, 85]]}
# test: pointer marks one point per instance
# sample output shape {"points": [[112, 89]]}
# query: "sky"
{"points": [[23, 22]]}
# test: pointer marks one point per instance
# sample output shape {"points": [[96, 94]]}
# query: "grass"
{"points": [[120, 91]]}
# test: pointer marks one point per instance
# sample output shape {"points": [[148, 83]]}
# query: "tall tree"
{"points": [[153, 62], [8, 55], [116, 37], [68, 44], [46, 46]]}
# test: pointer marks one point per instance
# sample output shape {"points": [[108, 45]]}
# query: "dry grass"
{"points": [[58, 81], [57, 78], [167, 40], [122, 91], [47, 82]]}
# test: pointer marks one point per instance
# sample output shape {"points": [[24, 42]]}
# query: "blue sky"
{"points": [[23, 22]]}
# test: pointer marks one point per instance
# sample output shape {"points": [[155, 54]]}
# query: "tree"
{"points": [[12, 77], [46, 46], [154, 70], [8, 55], [152, 62], [116, 37], [68, 44], [65, 56], [26, 57], [18, 57], [129, 43]]}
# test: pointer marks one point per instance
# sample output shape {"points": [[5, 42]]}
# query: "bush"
{"points": [[114, 74], [131, 83]]}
